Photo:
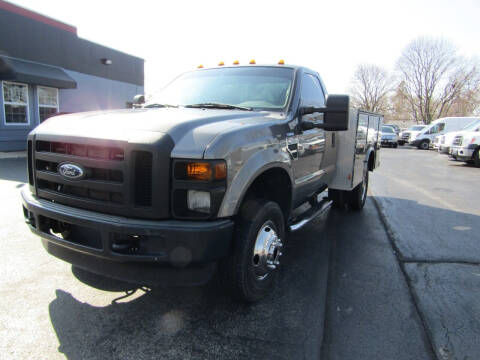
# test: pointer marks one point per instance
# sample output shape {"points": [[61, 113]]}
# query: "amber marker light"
{"points": [[200, 67], [281, 62], [236, 62], [199, 171], [221, 63], [252, 62], [220, 171]]}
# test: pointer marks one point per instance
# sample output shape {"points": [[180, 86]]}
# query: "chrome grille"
{"points": [[405, 136], [105, 185], [458, 140]]}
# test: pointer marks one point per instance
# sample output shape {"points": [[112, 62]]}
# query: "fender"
{"points": [[256, 165]]}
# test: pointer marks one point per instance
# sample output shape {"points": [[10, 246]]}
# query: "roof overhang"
{"points": [[34, 73]]}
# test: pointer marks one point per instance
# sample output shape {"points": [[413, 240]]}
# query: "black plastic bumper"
{"points": [[169, 252]]}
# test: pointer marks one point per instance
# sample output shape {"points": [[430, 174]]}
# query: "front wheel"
{"points": [[249, 273], [476, 158], [424, 145]]}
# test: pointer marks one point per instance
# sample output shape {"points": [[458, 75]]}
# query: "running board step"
{"points": [[311, 214]]}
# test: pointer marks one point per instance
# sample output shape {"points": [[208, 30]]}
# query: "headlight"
{"points": [[200, 170], [198, 201], [198, 187]]}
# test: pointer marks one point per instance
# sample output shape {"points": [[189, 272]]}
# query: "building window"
{"points": [[47, 102], [15, 103]]}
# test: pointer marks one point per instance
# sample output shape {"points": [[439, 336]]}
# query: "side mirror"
{"points": [[138, 100], [335, 114]]}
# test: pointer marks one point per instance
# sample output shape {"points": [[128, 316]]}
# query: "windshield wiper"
{"points": [[156, 105], [211, 105]]}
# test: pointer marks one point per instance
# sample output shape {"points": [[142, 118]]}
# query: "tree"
{"points": [[434, 80], [369, 89]]}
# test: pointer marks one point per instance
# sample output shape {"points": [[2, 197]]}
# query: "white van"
{"points": [[441, 126], [445, 141]]}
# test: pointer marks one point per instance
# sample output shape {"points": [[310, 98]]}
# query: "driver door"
{"points": [[307, 167]]}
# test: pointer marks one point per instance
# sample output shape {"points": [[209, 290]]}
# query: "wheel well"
{"points": [[371, 161], [275, 185]]}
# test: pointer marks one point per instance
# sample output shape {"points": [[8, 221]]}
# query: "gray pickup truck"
{"points": [[209, 174]]}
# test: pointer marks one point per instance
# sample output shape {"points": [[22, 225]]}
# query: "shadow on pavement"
{"points": [[203, 322], [13, 169], [424, 232]]}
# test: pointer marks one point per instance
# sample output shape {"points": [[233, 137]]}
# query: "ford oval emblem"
{"points": [[71, 171]]}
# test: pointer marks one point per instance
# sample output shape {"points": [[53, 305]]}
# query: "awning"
{"points": [[34, 73]]}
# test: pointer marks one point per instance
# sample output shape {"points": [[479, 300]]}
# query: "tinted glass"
{"points": [[387, 129], [256, 87], [311, 92], [416, 128]]}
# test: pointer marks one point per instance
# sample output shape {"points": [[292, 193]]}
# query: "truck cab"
{"points": [[208, 175]]}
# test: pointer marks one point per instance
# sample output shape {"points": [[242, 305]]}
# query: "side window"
{"points": [[441, 126], [311, 91]]}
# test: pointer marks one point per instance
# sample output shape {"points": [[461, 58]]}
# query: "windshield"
{"points": [[416, 127], [472, 126], [260, 88], [387, 129]]}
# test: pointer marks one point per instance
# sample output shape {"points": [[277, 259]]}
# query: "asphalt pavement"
{"points": [[398, 280], [430, 206]]}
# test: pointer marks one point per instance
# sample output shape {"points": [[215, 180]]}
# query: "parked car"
{"points": [[405, 136], [445, 141], [466, 145], [389, 137], [396, 127], [195, 181], [424, 139]]}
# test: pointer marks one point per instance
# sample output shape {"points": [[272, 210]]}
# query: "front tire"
{"points": [[249, 273], [424, 145], [476, 158]]}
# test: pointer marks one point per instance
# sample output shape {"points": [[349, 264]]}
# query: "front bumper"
{"points": [[462, 153], [388, 141], [170, 252]]}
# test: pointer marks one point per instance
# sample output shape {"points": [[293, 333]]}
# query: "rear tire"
{"points": [[395, 145], [245, 273], [358, 196], [338, 197]]}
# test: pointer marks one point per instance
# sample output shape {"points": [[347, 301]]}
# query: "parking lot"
{"points": [[399, 280]]}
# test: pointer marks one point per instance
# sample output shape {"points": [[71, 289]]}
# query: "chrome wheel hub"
{"points": [[266, 252]]}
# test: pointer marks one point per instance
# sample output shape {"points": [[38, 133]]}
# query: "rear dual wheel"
{"points": [[356, 198]]}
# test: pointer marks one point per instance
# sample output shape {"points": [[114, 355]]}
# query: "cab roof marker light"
{"points": [[236, 62], [252, 62], [281, 62], [200, 66], [221, 63]]}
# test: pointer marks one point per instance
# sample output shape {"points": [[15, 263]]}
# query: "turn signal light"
{"points": [[220, 171], [199, 171], [252, 62]]}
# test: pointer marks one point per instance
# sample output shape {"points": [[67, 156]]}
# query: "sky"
{"points": [[331, 37]]}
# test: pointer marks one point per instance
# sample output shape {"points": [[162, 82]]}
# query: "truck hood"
{"points": [[190, 129]]}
